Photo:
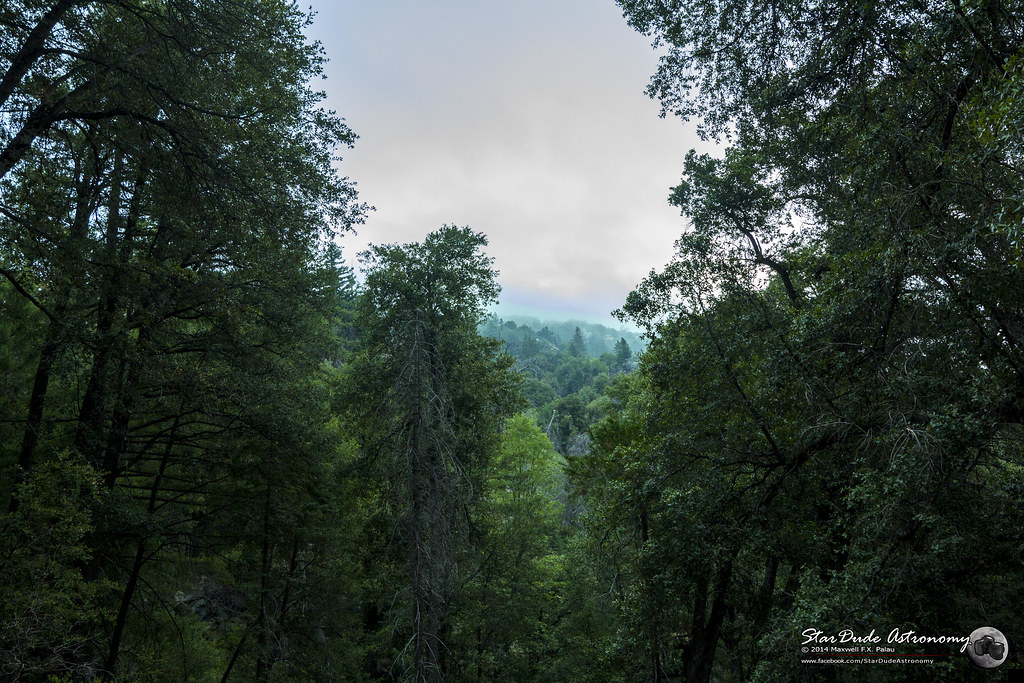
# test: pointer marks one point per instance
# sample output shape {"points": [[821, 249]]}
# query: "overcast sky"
{"points": [[524, 119]]}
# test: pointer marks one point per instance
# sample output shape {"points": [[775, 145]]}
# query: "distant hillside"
{"points": [[598, 339]]}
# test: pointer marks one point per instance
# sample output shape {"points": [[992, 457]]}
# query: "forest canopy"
{"points": [[224, 456]]}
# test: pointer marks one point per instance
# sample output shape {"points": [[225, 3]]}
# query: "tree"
{"points": [[577, 345], [442, 393], [507, 604], [835, 341], [70, 62], [174, 252], [623, 354]]}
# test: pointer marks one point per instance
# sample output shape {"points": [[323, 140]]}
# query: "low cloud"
{"points": [[527, 123]]}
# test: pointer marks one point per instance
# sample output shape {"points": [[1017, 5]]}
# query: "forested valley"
{"points": [[225, 457]]}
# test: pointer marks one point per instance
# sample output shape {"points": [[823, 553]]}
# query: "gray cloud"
{"points": [[526, 121]]}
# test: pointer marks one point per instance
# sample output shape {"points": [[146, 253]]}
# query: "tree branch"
{"points": [[25, 293], [32, 49]]}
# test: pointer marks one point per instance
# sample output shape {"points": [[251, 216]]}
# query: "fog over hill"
{"points": [[598, 339], [531, 314]]}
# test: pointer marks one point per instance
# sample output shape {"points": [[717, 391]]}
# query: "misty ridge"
{"points": [[599, 339]]}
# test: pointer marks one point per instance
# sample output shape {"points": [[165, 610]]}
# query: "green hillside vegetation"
{"points": [[598, 339], [566, 367]]}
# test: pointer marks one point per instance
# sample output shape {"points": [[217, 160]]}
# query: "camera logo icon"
{"points": [[988, 647]]}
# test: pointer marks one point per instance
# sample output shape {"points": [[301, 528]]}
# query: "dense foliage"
{"points": [[565, 372], [832, 397], [168, 206], [221, 458]]}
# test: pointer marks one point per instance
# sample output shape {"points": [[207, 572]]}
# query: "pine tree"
{"points": [[431, 395]]}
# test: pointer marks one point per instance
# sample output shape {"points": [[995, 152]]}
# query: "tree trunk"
{"points": [[140, 559], [85, 204], [700, 655], [263, 620]]}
